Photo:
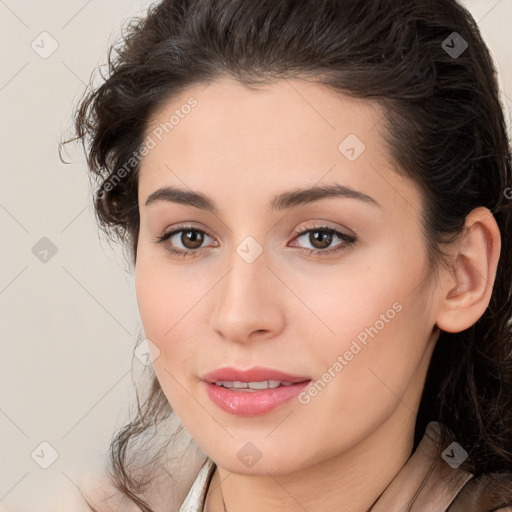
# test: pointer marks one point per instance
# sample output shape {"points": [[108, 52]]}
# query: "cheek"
{"points": [[171, 302], [163, 312], [164, 304], [370, 329], [357, 299]]}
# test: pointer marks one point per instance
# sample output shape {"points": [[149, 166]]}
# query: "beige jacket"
{"points": [[426, 483]]}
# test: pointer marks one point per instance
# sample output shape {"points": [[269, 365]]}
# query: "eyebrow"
{"points": [[283, 201]]}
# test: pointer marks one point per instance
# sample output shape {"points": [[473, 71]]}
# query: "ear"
{"points": [[466, 287]]}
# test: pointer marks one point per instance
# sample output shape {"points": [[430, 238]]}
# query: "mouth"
{"points": [[255, 376], [252, 392], [252, 386]]}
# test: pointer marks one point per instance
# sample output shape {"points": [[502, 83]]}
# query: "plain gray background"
{"points": [[69, 320]]}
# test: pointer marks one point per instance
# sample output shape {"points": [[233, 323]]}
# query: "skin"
{"points": [[292, 310]]}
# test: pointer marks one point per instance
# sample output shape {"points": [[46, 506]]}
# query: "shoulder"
{"points": [[490, 492]]}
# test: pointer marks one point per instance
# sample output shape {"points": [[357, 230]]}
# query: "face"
{"points": [[333, 289]]}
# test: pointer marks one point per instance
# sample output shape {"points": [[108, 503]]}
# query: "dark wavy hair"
{"points": [[444, 125]]}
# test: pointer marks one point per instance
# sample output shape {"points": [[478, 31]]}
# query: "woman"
{"points": [[316, 200]]}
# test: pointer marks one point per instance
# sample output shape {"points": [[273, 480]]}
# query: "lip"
{"points": [[255, 374], [252, 403]]}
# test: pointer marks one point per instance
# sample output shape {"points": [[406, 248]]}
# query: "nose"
{"points": [[249, 301]]}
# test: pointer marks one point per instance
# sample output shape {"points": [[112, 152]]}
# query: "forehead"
{"points": [[291, 112], [228, 138]]}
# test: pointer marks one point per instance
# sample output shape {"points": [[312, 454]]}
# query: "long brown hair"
{"points": [[444, 125]]}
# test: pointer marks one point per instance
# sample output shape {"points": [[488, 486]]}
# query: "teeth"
{"points": [[266, 384], [224, 383]]}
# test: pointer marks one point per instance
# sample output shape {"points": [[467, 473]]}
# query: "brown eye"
{"points": [[192, 239], [183, 241], [322, 241]]}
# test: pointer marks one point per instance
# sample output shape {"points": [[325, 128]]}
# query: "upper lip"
{"points": [[255, 374]]}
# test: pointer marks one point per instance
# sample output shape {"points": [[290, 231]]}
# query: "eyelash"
{"points": [[349, 240]]}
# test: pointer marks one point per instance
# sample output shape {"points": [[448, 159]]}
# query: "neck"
{"points": [[351, 481]]}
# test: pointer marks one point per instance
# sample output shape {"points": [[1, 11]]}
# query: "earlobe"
{"points": [[465, 290]]}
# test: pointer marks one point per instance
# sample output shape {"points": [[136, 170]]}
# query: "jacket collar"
{"points": [[427, 482], [196, 497]]}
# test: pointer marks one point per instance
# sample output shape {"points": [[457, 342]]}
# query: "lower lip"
{"points": [[252, 403]]}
